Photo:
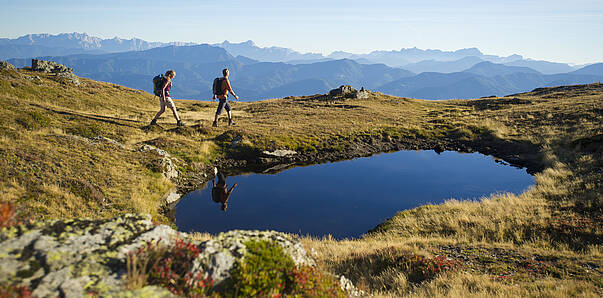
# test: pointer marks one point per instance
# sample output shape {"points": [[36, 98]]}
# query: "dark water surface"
{"points": [[347, 198]]}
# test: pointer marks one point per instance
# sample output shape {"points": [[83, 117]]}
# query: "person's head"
{"points": [[170, 73], [225, 72]]}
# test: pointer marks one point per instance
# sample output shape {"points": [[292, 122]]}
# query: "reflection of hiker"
{"points": [[164, 97], [219, 192], [221, 89]]}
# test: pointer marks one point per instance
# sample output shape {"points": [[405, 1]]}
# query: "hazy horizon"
{"points": [[539, 30], [302, 52]]}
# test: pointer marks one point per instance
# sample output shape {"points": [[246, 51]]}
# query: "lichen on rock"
{"points": [[220, 253], [71, 257], [49, 66], [167, 162], [74, 257]]}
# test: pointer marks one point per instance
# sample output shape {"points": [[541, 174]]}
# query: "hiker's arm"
{"points": [[213, 182], [163, 88], [229, 88], [230, 190]]}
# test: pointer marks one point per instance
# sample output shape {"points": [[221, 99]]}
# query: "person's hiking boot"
{"points": [[153, 122], [215, 124], [180, 123], [230, 122]]}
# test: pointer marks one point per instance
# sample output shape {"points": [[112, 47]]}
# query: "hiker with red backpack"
{"points": [[163, 86], [221, 88]]}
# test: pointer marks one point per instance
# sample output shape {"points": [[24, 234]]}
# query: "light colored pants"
{"points": [[170, 104]]}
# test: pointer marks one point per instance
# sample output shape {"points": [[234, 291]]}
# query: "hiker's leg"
{"points": [[170, 103], [175, 113], [161, 110], [227, 107], [221, 178], [218, 111]]}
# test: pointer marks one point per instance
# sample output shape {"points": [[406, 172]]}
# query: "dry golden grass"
{"points": [[53, 170], [475, 285]]}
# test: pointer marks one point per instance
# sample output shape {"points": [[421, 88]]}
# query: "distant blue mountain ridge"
{"points": [[464, 73], [413, 59]]}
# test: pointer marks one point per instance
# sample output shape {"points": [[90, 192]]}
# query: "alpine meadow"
{"points": [[106, 145]]}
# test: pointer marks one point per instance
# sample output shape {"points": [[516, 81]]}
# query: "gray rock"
{"points": [[346, 91], [49, 66], [172, 197], [342, 90], [50, 285], [220, 253], [146, 292], [348, 287], [160, 152], [6, 66], [65, 258], [36, 79], [160, 234], [169, 170], [69, 77], [166, 163], [279, 153], [70, 258], [361, 94], [101, 139]]}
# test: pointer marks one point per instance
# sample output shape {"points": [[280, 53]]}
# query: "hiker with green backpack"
{"points": [[221, 88], [162, 88]]}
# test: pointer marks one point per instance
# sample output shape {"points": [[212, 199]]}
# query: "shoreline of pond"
{"points": [[357, 194], [516, 154]]}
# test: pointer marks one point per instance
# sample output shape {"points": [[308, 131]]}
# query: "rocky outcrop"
{"points": [[362, 93], [71, 258], [68, 77], [172, 197], [279, 153], [63, 73], [167, 165], [342, 90], [348, 91], [220, 253], [6, 66], [49, 66]]}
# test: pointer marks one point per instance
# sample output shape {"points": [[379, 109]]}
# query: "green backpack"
{"points": [[157, 84]]}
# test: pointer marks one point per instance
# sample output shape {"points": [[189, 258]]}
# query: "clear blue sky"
{"points": [[554, 30]]}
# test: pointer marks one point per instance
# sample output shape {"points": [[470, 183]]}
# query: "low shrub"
{"points": [[310, 282], [415, 267], [265, 270], [167, 266], [86, 131], [33, 120], [12, 291], [8, 215], [268, 272], [420, 268]]}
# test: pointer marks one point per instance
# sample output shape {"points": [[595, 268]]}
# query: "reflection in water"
{"points": [[219, 194], [347, 198]]}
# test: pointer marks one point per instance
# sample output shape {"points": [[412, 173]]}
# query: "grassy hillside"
{"points": [[545, 241]]}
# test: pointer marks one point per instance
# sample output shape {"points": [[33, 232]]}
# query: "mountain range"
{"points": [[413, 59], [34, 45], [259, 73], [486, 79]]}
